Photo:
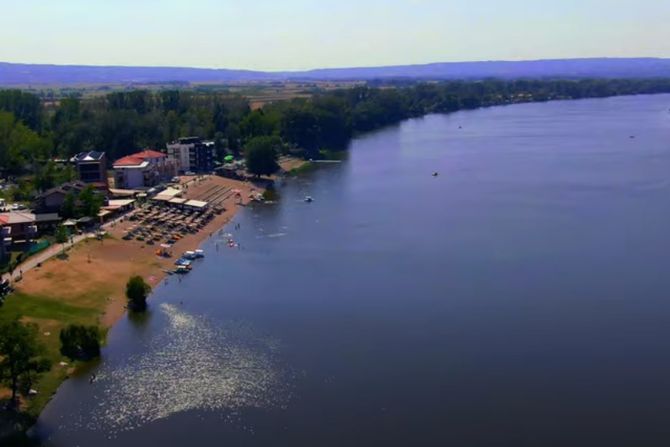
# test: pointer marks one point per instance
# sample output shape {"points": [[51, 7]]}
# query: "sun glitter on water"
{"points": [[191, 365]]}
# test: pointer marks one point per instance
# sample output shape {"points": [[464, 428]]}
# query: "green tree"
{"points": [[137, 291], [21, 357], [68, 208], [80, 342], [260, 123], [25, 106], [300, 127], [261, 155], [90, 202], [62, 234], [233, 138], [20, 147]]}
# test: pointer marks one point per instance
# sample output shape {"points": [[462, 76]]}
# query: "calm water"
{"points": [[521, 298]]}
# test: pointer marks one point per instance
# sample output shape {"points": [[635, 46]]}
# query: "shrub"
{"points": [[137, 291], [80, 342]]}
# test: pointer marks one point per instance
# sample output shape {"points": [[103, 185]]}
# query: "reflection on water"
{"points": [[191, 365], [520, 298]]}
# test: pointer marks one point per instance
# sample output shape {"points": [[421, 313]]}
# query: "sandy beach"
{"points": [[96, 271]]}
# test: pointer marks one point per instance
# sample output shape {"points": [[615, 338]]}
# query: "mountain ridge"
{"points": [[22, 74]]}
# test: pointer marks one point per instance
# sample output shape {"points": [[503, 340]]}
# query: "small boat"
{"points": [[199, 253], [435, 174], [181, 270], [309, 199]]}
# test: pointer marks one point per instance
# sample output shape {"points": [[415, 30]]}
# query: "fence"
{"points": [[37, 247]]}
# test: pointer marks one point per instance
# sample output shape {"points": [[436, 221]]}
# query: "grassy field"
{"points": [[63, 306], [51, 316]]}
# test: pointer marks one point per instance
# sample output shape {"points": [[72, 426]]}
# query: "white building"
{"points": [[192, 154], [143, 170]]}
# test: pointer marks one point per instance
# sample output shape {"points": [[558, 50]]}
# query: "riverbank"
{"points": [[87, 286]]}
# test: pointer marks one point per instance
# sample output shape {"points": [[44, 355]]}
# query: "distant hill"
{"points": [[42, 75]]}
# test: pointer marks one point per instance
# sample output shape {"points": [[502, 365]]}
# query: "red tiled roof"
{"points": [[129, 160], [138, 157], [4, 220], [149, 154]]}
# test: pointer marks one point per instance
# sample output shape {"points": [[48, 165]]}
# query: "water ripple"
{"points": [[192, 365]]}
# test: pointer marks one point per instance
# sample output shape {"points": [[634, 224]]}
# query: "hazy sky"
{"points": [[297, 34]]}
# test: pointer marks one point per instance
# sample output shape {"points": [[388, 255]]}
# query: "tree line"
{"points": [[32, 132]]}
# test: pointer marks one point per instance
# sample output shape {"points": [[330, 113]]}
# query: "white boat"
{"points": [[189, 255], [308, 199], [200, 253]]}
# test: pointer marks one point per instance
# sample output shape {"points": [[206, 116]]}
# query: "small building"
{"points": [[119, 206], [167, 194], [92, 168], [51, 200], [143, 170], [5, 238], [47, 222], [198, 205], [21, 226], [192, 154]]}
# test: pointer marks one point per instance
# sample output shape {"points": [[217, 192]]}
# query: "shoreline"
{"points": [[88, 287]]}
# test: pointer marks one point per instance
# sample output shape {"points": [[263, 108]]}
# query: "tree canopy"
{"points": [[31, 132], [260, 154], [62, 234], [137, 291], [80, 342], [21, 357]]}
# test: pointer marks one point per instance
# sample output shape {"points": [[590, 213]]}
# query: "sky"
{"points": [[304, 34]]}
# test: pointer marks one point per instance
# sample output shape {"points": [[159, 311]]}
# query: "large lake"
{"points": [[520, 298]]}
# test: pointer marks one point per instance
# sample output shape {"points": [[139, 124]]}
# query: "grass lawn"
{"points": [[51, 315]]}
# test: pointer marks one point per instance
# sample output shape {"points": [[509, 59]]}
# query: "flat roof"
{"points": [[170, 192], [167, 194], [196, 203], [123, 192], [178, 200], [47, 217], [121, 202]]}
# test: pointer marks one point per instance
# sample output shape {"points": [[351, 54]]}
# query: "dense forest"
{"points": [[33, 132]]}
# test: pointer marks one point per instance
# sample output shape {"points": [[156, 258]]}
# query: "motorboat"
{"points": [[182, 270]]}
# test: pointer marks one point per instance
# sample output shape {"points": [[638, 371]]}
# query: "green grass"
{"points": [[302, 169], [21, 305], [51, 315], [333, 155]]}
